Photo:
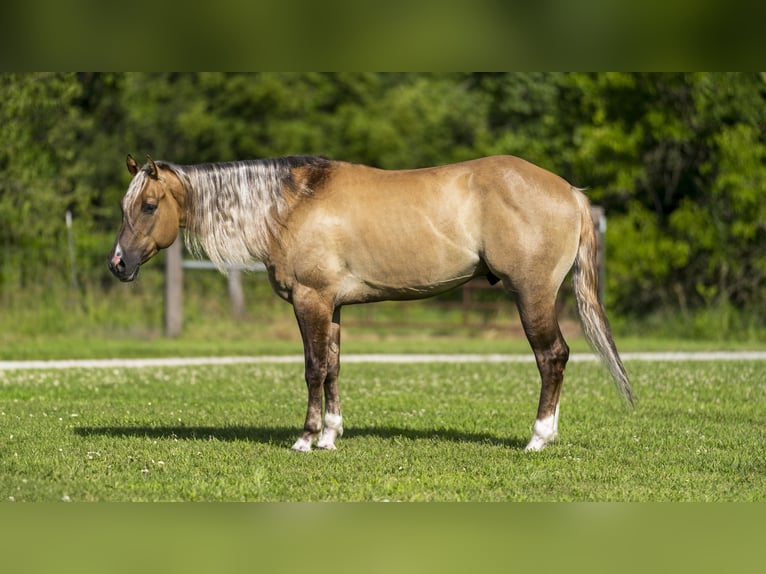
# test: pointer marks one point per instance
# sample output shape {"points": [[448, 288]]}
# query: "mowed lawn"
{"points": [[413, 432]]}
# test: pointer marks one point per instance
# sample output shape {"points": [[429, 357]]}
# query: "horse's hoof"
{"points": [[327, 440], [535, 445], [302, 445]]}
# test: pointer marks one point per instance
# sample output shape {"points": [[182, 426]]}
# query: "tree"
{"points": [[677, 160], [38, 164]]}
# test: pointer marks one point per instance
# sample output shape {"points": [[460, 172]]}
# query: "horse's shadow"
{"points": [[286, 435]]}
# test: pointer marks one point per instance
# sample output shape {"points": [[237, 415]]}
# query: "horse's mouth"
{"points": [[131, 277]]}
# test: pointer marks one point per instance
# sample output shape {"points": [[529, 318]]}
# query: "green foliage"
{"points": [[676, 159]]}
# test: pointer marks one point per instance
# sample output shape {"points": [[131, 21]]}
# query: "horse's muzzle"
{"points": [[119, 269]]}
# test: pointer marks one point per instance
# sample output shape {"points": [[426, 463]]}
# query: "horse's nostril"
{"points": [[116, 264]]}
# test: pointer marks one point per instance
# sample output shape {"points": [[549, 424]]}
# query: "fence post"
{"points": [[72, 258], [174, 289], [236, 293]]}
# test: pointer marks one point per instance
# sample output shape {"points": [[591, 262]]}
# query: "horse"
{"points": [[333, 233]]}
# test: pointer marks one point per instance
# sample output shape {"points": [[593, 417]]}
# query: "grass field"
{"points": [[414, 432], [355, 340]]}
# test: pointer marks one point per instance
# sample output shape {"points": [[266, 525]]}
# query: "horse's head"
{"points": [[151, 217]]}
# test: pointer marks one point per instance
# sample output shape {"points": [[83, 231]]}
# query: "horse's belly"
{"points": [[406, 280]]}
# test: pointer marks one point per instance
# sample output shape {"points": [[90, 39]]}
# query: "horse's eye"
{"points": [[148, 208]]}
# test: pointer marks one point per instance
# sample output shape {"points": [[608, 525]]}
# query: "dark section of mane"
{"points": [[314, 171], [294, 161]]}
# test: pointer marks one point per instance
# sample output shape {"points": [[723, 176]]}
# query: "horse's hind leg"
{"points": [[538, 316]]}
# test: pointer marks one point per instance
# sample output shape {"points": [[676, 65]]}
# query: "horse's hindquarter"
{"points": [[531, 222], [371, 235]]}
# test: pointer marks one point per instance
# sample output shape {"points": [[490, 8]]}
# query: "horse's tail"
{"points": [[594, 321]]}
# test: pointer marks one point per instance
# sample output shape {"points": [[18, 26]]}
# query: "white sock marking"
{"points": [[545, 431], [333, 427]]}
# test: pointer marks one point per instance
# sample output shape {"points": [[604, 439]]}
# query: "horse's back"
{"points": [[506, 175]]}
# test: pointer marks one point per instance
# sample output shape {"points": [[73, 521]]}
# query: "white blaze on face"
{"points": [[117, 254]]}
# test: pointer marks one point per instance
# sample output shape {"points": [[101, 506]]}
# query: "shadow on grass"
{"points": [[287, 435]]}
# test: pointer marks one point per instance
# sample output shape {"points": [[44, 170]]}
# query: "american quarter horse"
{"points": [[332, 233]]}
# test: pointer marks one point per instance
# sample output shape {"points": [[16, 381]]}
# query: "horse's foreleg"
{"points": [[315, 321], [551, 354], [333, 420]]}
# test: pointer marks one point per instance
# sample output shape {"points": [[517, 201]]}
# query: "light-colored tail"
{"points": [[594, 321]]}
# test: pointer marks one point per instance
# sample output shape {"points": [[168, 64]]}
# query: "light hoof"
{"points": [[327, 440], [302, 445], [536, 444]]}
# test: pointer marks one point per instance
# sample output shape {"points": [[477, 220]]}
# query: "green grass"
{"points": [[259, 341], [424, 432]]}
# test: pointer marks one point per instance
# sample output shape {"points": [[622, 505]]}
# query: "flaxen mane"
{"points": [[236, 208]]}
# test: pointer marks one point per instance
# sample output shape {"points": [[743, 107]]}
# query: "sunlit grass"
{"points": [[424, 432]]}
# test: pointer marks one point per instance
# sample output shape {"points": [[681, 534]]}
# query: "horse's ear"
{"points": [[132, 165], [153, 173]]}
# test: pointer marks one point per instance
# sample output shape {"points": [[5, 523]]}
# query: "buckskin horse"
{"points": [[332, 233]]}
